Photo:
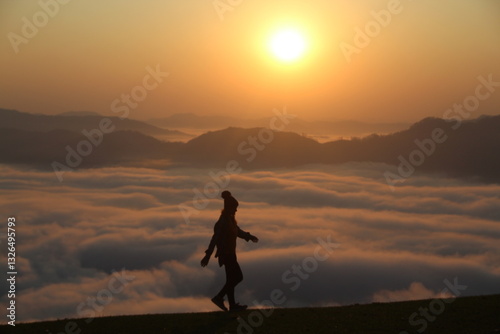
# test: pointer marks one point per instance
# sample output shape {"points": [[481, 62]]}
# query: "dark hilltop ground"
{"points": [[467, 315]]}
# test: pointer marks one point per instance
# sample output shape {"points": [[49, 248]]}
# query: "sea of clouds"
{"points": [[74, 236]]}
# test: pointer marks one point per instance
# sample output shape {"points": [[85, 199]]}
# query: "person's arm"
{"points": [[246, 235], [211, 246]]}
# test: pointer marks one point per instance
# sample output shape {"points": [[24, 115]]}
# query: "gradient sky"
{"points": [[425, 60], [394, 245]]}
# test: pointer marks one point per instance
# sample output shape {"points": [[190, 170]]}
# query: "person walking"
{"points": [[226, 231]]}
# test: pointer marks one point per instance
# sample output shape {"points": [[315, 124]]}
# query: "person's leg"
{"points": [[219, 298], [225, 288], [234, 277]]}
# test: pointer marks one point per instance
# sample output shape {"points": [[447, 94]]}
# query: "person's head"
{"points": [[230, 203]]}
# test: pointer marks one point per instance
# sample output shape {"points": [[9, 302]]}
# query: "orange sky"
{"points": [[425, 59]]}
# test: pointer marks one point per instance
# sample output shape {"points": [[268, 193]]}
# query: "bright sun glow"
{"points": [[288, 45]]}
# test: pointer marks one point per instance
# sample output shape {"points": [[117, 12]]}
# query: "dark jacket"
{"points": [[225, 233]]}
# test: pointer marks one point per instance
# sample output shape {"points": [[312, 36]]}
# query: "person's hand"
{"points": [[254, 238], [205, 260]]}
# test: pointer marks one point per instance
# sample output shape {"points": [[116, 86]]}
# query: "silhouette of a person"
{"points": [[226, 230]]}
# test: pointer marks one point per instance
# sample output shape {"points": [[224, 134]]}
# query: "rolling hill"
{"points": [[465, 315]]}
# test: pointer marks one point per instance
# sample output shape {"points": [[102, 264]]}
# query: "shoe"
{"points": [[237, 307], [219, 301]]}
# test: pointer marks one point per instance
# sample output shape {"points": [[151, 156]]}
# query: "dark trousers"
{"points": [[233, 277]]}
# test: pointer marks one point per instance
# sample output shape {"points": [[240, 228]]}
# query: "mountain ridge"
{"points": [[76, 121], [431, 145], [313, 128]]}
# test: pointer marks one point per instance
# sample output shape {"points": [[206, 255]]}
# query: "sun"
{"points": [[287, 45]]}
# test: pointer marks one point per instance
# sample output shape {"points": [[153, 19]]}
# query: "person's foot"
{"points": [[237, 307], [219, 301]]}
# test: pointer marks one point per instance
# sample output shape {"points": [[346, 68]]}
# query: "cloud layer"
{"points": [[76, 237]]}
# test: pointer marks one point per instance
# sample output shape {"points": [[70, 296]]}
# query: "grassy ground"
{"points": [[468, 315]]}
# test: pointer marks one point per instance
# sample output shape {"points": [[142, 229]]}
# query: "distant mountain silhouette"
{"points": [[285, 150], [469, 151], [40, 149], [193, 121], [80, 113], [76, 121], [316, 128]]}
